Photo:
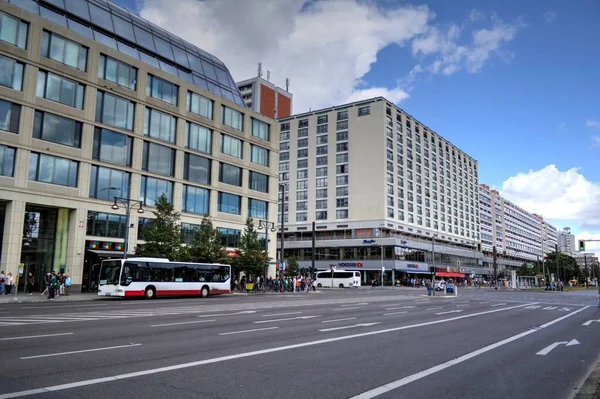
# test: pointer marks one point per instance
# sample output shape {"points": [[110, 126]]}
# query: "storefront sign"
{"points": [[350, 264], [403, 242], [412, 266], [369, 241]]}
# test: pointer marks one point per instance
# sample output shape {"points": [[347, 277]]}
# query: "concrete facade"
{"points": [[264, 97]]}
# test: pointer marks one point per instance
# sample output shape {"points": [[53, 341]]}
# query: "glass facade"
{"points": [[160, 125], [258, 182], [232, 118], [13, 30], [258, 209], [162, 89], [57, 129], [54, 170], [158, 159], [195, 200], [10, 116], [231, 146], [63, 50], [114, 111], [112, 147], [105, 225], [7, 161], [260, 129], [259, 155], [229, 203], [230, 174], [152, 188], [57, 88], [107, 183], [11, 73], [230, 238], [117, 72], [197, 169], [198, 138], [200, 105]]}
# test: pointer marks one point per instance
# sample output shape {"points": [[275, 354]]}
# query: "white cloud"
{"points": [[549, 16], [476, 15], [562, 125], [592, 123], [325, 47], [596, 141]]}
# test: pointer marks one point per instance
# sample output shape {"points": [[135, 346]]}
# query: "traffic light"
{"points": [[478, 247], [582, 245], [432, 270]]}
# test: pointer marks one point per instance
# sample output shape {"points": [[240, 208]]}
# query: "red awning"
{"points": [[449, 274]]}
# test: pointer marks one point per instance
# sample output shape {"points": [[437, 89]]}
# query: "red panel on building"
{"points": [[284, 106], [267, 101]]}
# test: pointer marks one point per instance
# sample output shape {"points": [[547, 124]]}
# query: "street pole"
{"points": [[313, 257], [382, 269], [433, 264], [282, 189], [129, 204], [126, 240], [495, 265], [557, 269]]}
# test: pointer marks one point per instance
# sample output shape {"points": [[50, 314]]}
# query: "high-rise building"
{"points": [[566, 241], [372, 177], [96, 102], [264, 97]]}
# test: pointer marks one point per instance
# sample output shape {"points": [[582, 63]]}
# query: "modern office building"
{"points": [[549, 235], [383, 190], [566, 242], [96, 102], [585, 260], [264, 97]]}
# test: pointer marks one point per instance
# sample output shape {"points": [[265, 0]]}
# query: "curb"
{"points": [[590, 389]]}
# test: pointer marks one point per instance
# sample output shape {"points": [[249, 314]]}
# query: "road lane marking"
{"points": [[118, 377], [357, 307], [228, 314], [35, 336], [346, 327], [549, 348], [182, 323], [498, 304], [587, 323], [286, 319], [337, 320], [81, 351], [355, 304], [450, 311], [422, 300], [463, 304], [436, 308], [393, 313], [248, 331], [425, 373], [280, 314], [401, 307]]}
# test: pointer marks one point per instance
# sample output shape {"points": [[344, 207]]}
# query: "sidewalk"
{"points": [[37, 298]]}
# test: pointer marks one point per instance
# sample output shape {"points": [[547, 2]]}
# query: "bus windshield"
{"points": [[109, 274]]}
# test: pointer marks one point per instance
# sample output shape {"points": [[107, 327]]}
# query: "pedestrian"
{"points": [[67, 284], [429, 288], [598, 296], [9, 283], [52, 286], [2, 278], [30, 283]]}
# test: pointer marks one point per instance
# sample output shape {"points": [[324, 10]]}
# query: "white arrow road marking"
{"points": [[549, 348], [229, 314], [345, 327], [587, 323], [450, 311], [289, 318]]}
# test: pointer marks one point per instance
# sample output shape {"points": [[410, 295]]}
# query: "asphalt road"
{"points": [[338, 344]]}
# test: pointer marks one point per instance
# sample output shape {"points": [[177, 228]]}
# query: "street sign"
{"points": [[21, 268], [382, 268]]}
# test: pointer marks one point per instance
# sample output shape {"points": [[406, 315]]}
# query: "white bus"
{"points": [[340, 278], [154, 277]]}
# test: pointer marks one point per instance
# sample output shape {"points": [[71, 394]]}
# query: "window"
{"points": [[341, 180], [303, 123], [152, 188], [195, 200], [284, 136], [258, 182], [341, 214], [301, 217], [362, 111], [11, 73], [342, 125], [322, 150], [13, 30], [106, 183], [302, 163], [114, 111], [197, 169], [229, 203], [321, 215], [321, 140], [231, 146], [341, 136], [160, 126], [162, 89], [229, 237], [342, 115], [302, 174], [283, 166], [302, 195], [341, 202], [302, 184], [257, 209], [341, 147], [284, 156], [301, 206], [302, 143], [158, 159], [117, 72], [341, 158], [57, 129], [10, 116], [321, 171], [63, 50], [284, 126], [198, 138], [105, 225], [321, 193], [232, 118], [321, 119], [259, 155], [56, 88], [54, 170], [303, 153], [230, 174], [321, 182], [284, 146], [390, 212], [341, 191], [260, 129], [321, 204], [321, 129], [7, 161], [321, 161], [341, 169], [200, 105], [112, 147]]}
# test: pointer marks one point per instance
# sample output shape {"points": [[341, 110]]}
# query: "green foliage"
{"points": [[163, 236], [252, 258], [526, 270], [206, 245], [292, 267], [567, 266]]}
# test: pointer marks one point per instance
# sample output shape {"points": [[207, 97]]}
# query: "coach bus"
{"points": [[155, 277], [339, 278]]}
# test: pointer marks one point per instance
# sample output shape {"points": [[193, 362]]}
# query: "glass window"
{"points": [[11, 73], [54, 170], [230, 238], [230, 174], [341, 214], [101, 17], [197, 169], [106, 183], [259, 155], [341, 125], [63, 50], [80, 28], [301, 216], [158, 159], [114, 111], [321, 215], [105, 225], [258, 209], [231, 146], [162, 89], [229, 203], [10, 116], [123, 28], [198, 138], [362, 111], [233, 118], [117, 72], [260, 129], [200, 105], [112, 147], [258, 182], [160, 126], [152, 188], [56, 88], [195, 200], [57, 129], [7, 161], [13, 30]]}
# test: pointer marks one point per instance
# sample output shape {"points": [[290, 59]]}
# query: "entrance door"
{"points": [[38, 270]]}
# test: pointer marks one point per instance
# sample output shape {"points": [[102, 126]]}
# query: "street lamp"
{"points": [[379, 234], [265, 224], [129, 204]]}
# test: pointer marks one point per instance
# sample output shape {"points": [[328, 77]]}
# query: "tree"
{"points": [[206, 245], [567, 266], [292, 267], [526, 269], [252, 258], [163, 236]]}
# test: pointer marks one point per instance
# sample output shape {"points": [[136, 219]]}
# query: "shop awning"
{"points": [[449, 274], [113, 254]]}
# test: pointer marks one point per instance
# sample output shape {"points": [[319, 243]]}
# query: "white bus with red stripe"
{"points": [[155, 277]]}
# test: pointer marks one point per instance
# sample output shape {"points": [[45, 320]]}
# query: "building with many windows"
{"points": [[566, 242], [97, 103], [383, 190], [264, 97]]}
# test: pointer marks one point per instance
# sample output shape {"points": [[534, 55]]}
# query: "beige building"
{"points": [[97, 103]]}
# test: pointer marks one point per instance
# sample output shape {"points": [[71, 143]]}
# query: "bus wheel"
{"points": [[319, 285], [204, 292], [341, 285], [150, 293]]}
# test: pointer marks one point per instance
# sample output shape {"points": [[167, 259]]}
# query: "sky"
{"points": [[515, 84]]}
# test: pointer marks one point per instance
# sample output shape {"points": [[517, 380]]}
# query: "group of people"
{"points": [[6, 283], [55, 284], [279, 284]]}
